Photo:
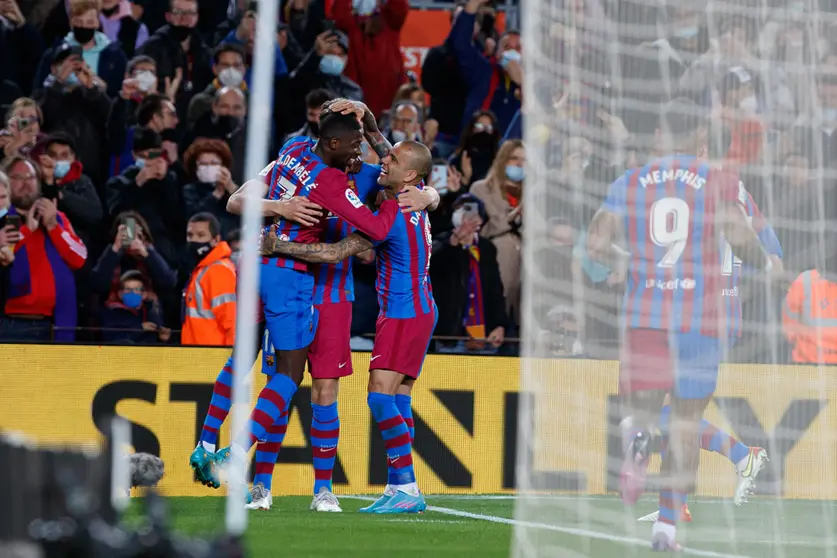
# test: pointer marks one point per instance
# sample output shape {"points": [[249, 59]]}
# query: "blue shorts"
{"points": [[287, 297], [684, 364]]}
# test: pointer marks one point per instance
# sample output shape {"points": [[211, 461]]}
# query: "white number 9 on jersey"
{"points": [[669, 228]]}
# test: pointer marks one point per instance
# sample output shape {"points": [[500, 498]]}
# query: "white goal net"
{"points": [[597, 75]]}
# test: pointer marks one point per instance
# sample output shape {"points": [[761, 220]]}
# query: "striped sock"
{"points": [[670, 505], [404, 405], [396, 436], [325, 434], [268, 451], [219, 407], [714, 439], [274, 399]]}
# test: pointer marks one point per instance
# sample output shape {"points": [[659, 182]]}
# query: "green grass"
{"points": [[565, 527]]}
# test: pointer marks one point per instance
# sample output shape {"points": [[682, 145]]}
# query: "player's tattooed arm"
{"points": [[319, 252]]}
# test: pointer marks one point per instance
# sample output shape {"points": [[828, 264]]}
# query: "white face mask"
{"points": [[146, 81], [230, 77], [398, 136], [456, 218], [208, 173], [750, 104]]}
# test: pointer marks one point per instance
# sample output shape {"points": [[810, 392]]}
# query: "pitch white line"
{"points": [[566, 530]]}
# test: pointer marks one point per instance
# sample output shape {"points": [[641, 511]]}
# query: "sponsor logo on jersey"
{"points": [[353, 199]]}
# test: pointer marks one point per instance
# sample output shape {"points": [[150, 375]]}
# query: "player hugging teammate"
{"points": [[301, 186], [674, 217]]}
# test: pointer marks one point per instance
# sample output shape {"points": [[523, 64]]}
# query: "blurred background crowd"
{"points": [[125, 128]]}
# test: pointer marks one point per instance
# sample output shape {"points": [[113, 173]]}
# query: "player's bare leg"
{"points": [[325, 432], [640, 410]]}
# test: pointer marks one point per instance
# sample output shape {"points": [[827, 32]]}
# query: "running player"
{"points": [[405, 324], [671, 213]]}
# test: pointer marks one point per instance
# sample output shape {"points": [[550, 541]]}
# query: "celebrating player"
{"points": [[671, 213], [405, 324]]}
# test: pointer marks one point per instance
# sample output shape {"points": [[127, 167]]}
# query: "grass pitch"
{"points": [[565, 527]]}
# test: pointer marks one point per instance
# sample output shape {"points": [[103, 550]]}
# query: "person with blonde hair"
{"points": [[502, 194]]}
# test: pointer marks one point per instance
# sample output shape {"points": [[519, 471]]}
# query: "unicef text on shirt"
{"points": [[681, 175], [670, 285]]}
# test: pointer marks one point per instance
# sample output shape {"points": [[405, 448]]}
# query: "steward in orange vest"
{"points": [[809, 318]]}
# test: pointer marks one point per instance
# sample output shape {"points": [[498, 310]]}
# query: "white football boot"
{"points": [[325, 501]]}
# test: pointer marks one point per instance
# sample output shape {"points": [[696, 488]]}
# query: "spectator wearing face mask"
{"points": [[477, 148], [466, 281], [404, 123], [150, 189], [244, 35], [313, 107], [136, 317], [229, 69], [226, 121], [323, 68], [118, 24], [374, 31], [413, 93], [209, 298], [208, 162], [73, 101], [493, 82], [502, 193], [23, 128], [104, 57], [76, 194]]}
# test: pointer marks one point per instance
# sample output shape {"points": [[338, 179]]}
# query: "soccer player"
{"points": [[405, 324], [671, 213]]}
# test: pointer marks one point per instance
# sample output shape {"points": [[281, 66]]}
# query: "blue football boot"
{"points": [[403, 503], [201, 462], [373, 507]]}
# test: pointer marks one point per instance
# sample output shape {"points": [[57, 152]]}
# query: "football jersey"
{"points": [[668, 209], [299, 172], [334, 283], [403, 261]]}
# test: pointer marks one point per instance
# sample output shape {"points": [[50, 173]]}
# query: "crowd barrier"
{"points": [[466, 414]]}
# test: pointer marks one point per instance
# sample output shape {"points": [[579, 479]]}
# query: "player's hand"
{"points": [[497, 336], [411, 199], [300, 210], [345, 106], [367, 256]]}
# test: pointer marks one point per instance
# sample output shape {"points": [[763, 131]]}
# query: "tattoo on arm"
{"points": [[376, 139], [320, 252]]}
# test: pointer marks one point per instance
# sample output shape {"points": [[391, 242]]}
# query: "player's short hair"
{"points": [[317, 98], [205, 217], [681, 118], [335, 125], [150, 105], [137, 60], [421, 158]]}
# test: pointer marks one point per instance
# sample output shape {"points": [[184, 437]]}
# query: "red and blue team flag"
{"points": [[674, 277]]}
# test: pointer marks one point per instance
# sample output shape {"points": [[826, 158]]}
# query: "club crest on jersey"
{"points": [[353, 199], [269, 360]]}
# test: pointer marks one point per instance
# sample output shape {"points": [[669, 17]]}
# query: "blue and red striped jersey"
{"points": [[674, 275], [298, 171], [403, 260], [334, 283]]}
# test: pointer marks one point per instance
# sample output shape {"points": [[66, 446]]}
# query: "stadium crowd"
{"points": [[125, 126]]}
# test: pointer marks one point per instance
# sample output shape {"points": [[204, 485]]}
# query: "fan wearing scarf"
{"points": [[42, 290]]}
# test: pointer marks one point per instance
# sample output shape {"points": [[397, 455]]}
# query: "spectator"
{"points": [[126, 255], [135, 317], [323, 68], [375, 62], [466, 281], [21, 46], [314, 102], [118, 24], [234, 240], [493, 82], [405, 123], [9, 236], [477, 149], [77, 197], [560, 337], [181, 55], [42, 290], [413, 93], [501, 192], [305, 19], [152, 13], [73, 101], [210, 295], [809, 315], [229, 70], [150, 189], [208, 163], [292, 53], [244, 35], [739, 108], [23, 127], [228, 122], [442, 80], [100, 55], [155, 112]]}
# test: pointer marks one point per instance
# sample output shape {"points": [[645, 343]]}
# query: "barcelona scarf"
{"points": [[474, 320]]}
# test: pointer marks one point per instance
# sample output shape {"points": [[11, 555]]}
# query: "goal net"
{"points": [[597, 75]]}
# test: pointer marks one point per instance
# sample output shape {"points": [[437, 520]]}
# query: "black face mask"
{"points": [[180, 32], [83, 34], [315, 127], [108, 12], [197, 251], [227, 125], [482, 141]]}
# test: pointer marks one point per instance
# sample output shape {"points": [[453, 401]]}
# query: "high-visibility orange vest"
{"points": [[210, 301], [809, 318]]}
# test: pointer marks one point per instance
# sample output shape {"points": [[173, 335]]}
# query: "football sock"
{"points": [[712, 438], [274, 399], [219, 407], [267, 451], [404, 405], [396, 436], [670, 505], [325, 433]]}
